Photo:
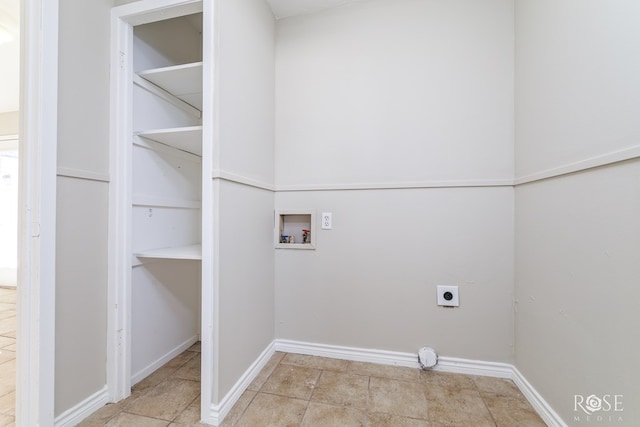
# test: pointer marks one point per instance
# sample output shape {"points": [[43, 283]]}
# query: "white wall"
{"points": [[246, 91], [82, 204], [398, 94], [371, 282], [9, 122], [395, 92], [577, 81], [577, 251], [244, 214]]}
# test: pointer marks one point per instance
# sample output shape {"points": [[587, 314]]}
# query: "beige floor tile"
{"points": [[342, 389], [264, 374], [101, 416], [7, 377], [292, 381], [182, 359], [307, 361], [458, 407], [6, 341], [444, 379], [267, 410], [238, 409], [166, 400], [7, 420], [6, 314], [190, 416], [397, 398], [508, 411], [131, 420], [154, 379], [8, 326], [190, 370], [384, 371], [388, 420], [501, 386], [7, 306], [7, 355], [321, 415], [195, 347], [8, 404]]}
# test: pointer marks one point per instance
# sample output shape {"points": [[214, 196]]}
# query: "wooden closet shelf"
{"points": [[193, 252], [183, 81], [187, 139]]}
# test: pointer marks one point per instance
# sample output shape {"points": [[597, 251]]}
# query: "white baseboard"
{"points": [[385, 357], [82, 410], [218, 412], [543, 409], [150, 369]]}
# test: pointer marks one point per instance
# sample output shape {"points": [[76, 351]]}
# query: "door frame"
{"points": [[35, 363], [123, 19]]}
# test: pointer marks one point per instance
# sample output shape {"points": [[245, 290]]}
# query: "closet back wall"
{"points": [[401, 96]]}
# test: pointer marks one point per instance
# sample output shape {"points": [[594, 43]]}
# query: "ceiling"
{"points": [[9, 55], [288, 8]]}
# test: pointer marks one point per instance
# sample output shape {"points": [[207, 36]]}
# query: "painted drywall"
{"points": [[577, 81], [82, 205], [371, 282], [246, 273], [83, 92], [246, 90], [244, 289], [395, 91], [9, 123], [577, 250], [81, 293]]}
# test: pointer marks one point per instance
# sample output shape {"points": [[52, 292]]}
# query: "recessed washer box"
{"points": [[448, 296], [295, 229]]}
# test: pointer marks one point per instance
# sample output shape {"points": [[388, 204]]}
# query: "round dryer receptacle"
{"points": [[427, 357]]}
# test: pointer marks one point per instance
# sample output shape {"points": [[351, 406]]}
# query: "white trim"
{"points": [[241, 179], [503, 182], [119, 258], [543, 409], [83, 174], [82, 410], [146, 200], [154, 366], [209, 310], [218, 412], [582, 165], [35, 365]]}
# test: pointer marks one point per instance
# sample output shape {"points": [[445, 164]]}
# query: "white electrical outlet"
{"points": [[448, 296], [327, 221]]}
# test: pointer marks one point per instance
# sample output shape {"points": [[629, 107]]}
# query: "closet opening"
{"points": [[161, 191]]}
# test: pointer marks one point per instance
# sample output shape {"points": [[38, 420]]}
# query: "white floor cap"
{"points": [[427, 357]]}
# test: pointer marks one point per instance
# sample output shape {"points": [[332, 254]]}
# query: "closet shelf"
{"points": [[193, 252], [183, 81], [187, 139]]}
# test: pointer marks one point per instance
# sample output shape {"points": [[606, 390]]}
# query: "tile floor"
{"points": [[7, 356], [298, 390]]}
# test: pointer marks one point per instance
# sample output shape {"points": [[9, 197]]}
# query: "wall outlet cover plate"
{"points": [[448, 296]]}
